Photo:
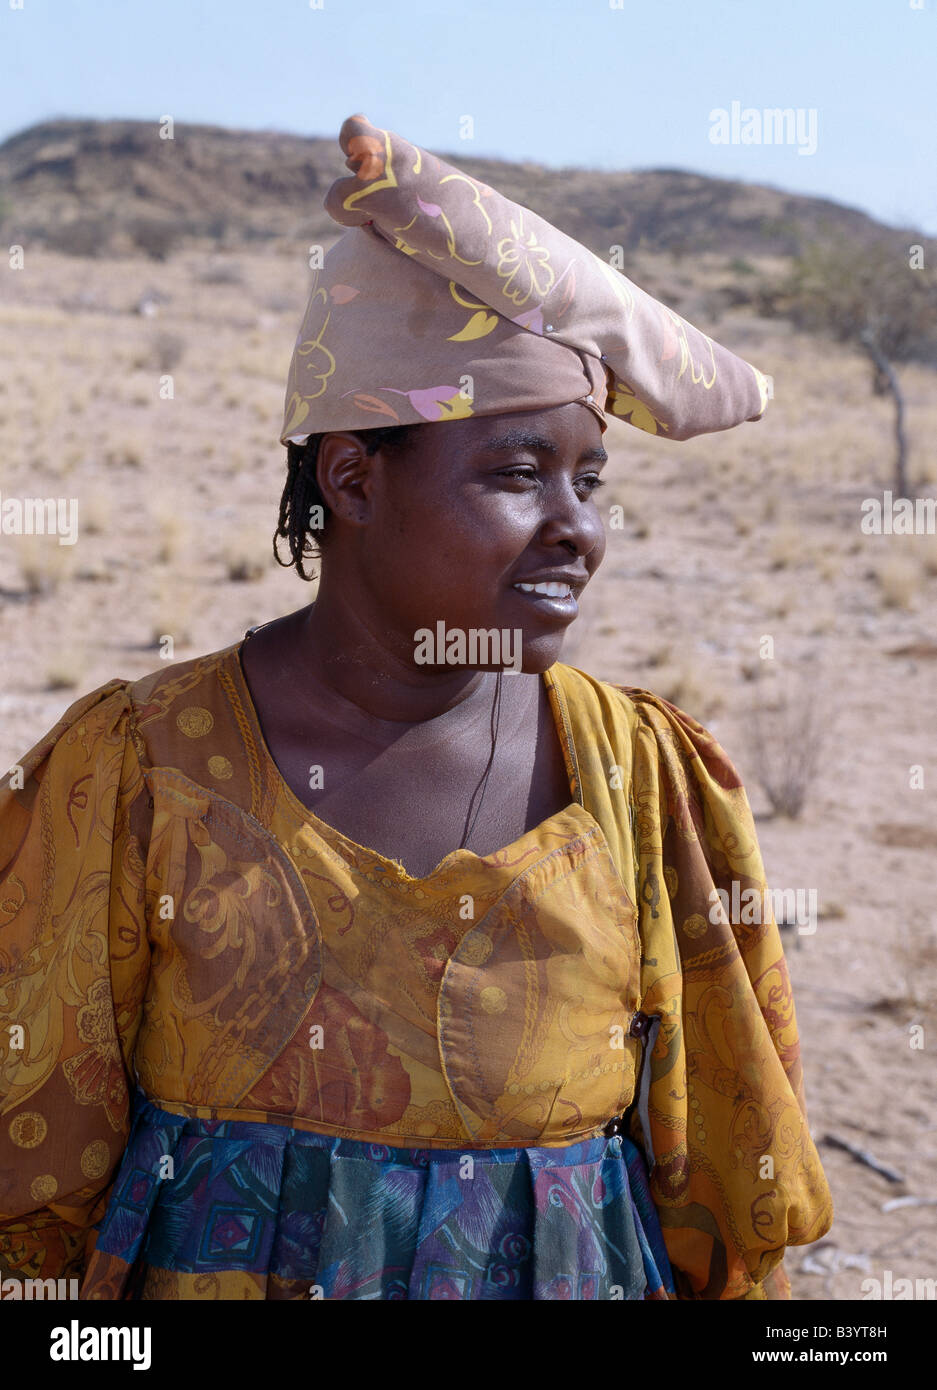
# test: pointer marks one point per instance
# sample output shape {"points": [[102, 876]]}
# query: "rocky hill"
{"points": [[106, 187]]}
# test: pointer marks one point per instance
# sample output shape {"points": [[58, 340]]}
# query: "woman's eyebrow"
{"points": [[522, 439]]}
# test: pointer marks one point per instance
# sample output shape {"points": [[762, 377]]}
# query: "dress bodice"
{"points": [[489, 1001]]}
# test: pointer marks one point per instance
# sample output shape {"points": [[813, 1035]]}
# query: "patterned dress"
{"points": [[245, 1057]]}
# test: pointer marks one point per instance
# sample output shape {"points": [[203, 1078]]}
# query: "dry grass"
{"points": [[171, 628], [899, 578], [687, 688], [660, 655], [129, 452], [785, 547], [94, 513], [222, 273], [172, 532], [245, 555], [916, 960], [784, 603], [925, 551], [823, 622], [43, 564], [66, 671], [829, 565]]}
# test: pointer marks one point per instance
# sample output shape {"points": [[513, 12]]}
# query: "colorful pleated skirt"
{"points": [[232, 1209]]}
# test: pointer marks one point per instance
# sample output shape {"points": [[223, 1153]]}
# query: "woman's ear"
{"points": [[344, 472]]}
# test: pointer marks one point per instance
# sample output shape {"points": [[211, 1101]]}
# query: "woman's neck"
{"points": [[326, 656]]}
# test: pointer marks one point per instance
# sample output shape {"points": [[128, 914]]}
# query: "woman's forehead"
{"points": [[553, 430]]}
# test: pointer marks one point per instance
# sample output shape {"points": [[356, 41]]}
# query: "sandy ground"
{"points": [[727, 540]]}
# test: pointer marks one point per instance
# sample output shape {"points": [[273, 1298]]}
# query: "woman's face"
{"points": [[448, 528]]}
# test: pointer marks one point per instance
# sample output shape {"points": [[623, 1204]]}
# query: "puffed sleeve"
{"points": [[73, 967], [736, 1177]]}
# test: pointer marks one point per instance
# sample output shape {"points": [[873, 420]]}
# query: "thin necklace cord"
{"points": [[483, 782]]}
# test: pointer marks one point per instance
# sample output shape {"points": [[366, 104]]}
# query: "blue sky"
{"points": [[610, 84]]}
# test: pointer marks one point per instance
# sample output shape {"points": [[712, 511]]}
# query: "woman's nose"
{"points": [[576, 527]]}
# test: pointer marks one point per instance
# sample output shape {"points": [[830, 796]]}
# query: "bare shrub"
{"points": [[221, 273], [126, 453], [786, 736], [243, 562], [168, 350], [82, 236], [156, 237], [916, 960]]}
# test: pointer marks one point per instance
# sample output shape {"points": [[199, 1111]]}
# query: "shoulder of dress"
{"points": [[650, 708], [660, 730], [184, 694], [93, 732], [683, 746], [655, 713], [178, 677], [196, 717], [97, 713], [589, 694], [641, 708]]}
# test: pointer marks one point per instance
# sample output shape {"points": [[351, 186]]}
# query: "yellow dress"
{"points": [[187, 952]]}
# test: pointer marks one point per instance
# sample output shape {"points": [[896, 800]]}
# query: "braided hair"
{"points": [[301, 493]]}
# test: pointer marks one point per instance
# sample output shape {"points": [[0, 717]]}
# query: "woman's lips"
{"points": [[549, 588], [557, 602]]}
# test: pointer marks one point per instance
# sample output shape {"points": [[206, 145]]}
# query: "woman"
{"points": [[381, 954]]}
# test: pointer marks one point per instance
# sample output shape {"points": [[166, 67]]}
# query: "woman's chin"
{"points": [[540, 652]]}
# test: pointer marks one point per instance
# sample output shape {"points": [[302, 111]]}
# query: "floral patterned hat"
{"points": [[445, 299]]}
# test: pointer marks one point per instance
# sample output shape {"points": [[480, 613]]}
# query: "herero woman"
{"points": [[374, 956]]}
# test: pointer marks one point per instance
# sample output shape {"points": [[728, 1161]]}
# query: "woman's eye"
{"points": [[591, 482]]}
